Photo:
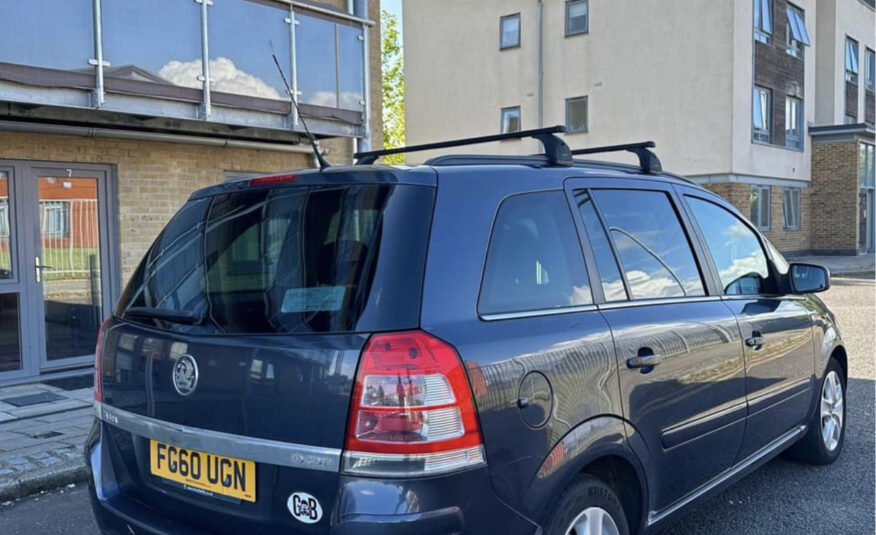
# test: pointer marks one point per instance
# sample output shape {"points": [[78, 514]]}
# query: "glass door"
{"points": [[12, 363], [68, 261]]}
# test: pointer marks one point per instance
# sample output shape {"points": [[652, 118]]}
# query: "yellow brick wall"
{"points": [[153, 179], [785, 240]]}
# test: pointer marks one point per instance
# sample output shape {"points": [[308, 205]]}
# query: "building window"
{"points": [[761, 116], [763, 20], [797, 35], [793, 122], [56, 215], [577, 17], [791, 204], [576, 114], [509, 31], [850, 119], [760, 207], [851, 60], [870, 72], [511, 120]]}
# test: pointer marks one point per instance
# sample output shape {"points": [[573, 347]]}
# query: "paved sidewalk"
{"points": [[41, 444], [841, 265]]}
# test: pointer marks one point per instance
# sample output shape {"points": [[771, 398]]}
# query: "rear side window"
{"points": [[650, 242], [612, 283], [735, 249], [300, 259], [534, 261]]}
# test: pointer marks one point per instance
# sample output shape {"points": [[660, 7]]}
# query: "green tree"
{"points": [[393, 83]]}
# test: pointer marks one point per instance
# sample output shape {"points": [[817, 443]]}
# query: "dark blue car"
{"points": [[497, 345]]}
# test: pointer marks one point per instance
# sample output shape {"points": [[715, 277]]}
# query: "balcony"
{"points": [[185, 65]]}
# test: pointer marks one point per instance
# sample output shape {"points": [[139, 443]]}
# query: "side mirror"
{"points": [[809, 278]]}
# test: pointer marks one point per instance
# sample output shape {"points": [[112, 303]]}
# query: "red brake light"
{"points": [[272, 179], [412, 410]]}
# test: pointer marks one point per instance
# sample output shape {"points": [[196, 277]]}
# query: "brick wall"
{"points": [[785, 240], [835, 192], [775, 69], [154, 179]]}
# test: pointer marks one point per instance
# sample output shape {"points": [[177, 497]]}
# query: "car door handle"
{"points": [[756, 340], [645, 359]]}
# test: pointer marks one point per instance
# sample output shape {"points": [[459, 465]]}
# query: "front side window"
{"points": [[851, 60], [509, 31], [763, 20], [576, 114], [650, 242], [870, 77], [577, 17], [797, 36], [793, 122], [791, 206], [761, 116], [534, 261], [760, 207], [511, 120], [735, 249]]}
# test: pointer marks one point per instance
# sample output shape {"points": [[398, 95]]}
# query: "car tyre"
{"points": [[587, 507], [824, 439]]}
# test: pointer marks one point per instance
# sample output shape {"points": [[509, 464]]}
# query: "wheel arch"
{"points": [[603, 446]]}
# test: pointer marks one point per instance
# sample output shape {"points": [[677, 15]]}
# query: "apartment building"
{"points": [[769, 103], [112, 112]]}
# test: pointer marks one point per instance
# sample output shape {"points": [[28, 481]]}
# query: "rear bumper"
{"points": [[462, 502]]}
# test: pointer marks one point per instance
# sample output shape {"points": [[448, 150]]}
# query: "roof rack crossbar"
{"points": [[648, 161], [555, 149]]}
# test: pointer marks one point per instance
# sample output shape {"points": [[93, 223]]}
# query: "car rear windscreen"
{"points": [[296, 259]]}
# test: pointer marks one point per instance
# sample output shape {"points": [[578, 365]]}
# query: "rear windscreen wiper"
{"points": [[175, 316]]}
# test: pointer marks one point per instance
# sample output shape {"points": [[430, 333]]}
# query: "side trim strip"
{"points": [[254, 449], [661, 301], [655, 517], [536, 313]]}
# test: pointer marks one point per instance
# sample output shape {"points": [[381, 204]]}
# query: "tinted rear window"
{"points": [[296, 259]]}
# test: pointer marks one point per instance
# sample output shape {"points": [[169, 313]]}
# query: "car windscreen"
{"points": [[295, 259]]}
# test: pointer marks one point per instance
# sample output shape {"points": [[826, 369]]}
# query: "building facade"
{"points": [[767, 102], [112, 112]]}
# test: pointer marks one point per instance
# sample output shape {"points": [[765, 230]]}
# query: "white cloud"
{"points": [[224, 77]]}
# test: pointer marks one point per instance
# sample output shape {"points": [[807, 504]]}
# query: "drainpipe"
{"points": [[540, 7]]}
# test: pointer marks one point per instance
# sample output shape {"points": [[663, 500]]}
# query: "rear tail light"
{"points": [[98, 352], [412, 411]]}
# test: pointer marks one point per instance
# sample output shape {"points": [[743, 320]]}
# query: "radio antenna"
{"points": [[323, 163]]}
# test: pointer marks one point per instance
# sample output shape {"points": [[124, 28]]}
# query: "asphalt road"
{"points": [[782, 497]]}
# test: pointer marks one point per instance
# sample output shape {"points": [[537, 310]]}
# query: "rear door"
{"points": [[246, 318], [776, 329], [678, 349]]}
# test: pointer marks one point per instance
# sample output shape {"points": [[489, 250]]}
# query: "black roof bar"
{"points": [[648, 161], [556, 150]]}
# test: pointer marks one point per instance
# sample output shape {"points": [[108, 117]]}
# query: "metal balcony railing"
{"points": [[194, 59]]}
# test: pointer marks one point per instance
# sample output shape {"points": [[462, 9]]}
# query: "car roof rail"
{"points": [[555, 149], [648, 161]]}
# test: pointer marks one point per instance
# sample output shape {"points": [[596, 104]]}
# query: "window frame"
{"points": [[502, 112], [764, 135], [573, 100], [707, 258], [792, 195], [852, 66], [869, 69], [576, 186], [762, 32], [502, 20], [793, 46], [760, 213], [794, 137], [583, 249], [568, 5]]}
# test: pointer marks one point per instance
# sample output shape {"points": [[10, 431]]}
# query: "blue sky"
{"points": [[394, 7]]}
